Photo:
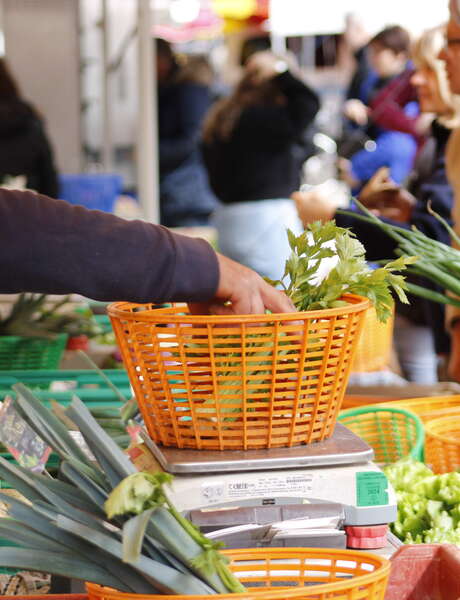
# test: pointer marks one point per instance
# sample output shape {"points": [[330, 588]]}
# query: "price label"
{"points": [[371, 488], [24, 444]]}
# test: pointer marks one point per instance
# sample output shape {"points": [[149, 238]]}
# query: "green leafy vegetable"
{"points": [[350, 275], [428, 505]]}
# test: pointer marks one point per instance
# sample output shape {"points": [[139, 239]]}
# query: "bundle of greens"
{"points": [[436, 261], [63, 528], [350, 275], [428, 505], [32, 315]]}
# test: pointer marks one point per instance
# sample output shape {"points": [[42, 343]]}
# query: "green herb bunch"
{"points": [[350, 275], [33, 315]]}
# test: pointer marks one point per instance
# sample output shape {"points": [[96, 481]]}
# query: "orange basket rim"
{"points": [[163, 315], [430, 428], [382, 568]]}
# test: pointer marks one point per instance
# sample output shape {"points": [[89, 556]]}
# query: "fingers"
{"points": [[276, 301], [242, 291]]}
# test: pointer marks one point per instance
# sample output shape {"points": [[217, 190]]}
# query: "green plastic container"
{"points": [[31, 353], [90, 387], [393, 433]]}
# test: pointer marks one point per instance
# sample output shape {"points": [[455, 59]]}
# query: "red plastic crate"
{"points": [[425, 572]]}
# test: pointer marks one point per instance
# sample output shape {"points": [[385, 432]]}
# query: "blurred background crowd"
{"points": [[238, 119]]}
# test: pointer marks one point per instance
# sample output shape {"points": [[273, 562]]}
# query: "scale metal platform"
{"points": [[337, 470]]}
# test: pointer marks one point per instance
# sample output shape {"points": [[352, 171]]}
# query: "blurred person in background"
{"points": [[250, 146], [450, 54], [26, 158], [382, 121], [419, 329], [184, 97]]}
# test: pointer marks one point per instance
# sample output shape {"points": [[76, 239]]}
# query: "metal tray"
{"points": [[342, 448]]}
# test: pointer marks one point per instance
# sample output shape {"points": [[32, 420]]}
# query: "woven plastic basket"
{"points": [[31, 353], [428, 408], [442, 447], [392, 433], [284, 573], [374, 346], [238, 382]]}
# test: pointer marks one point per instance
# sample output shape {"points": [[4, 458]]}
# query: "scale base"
{"points": [[342, 448]]}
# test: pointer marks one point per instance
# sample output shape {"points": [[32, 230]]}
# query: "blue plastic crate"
{"points": [[91, 190]]}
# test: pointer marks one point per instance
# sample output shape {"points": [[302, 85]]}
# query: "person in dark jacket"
{"points": [[250, 142], [420, 333], [53, 247], [184, 97], [24, 148]]}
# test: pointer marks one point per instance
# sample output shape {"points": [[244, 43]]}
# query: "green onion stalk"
{"points": [[436, 261]]}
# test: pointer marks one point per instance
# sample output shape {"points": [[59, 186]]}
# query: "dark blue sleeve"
{"points": [[53, 247], [192, 104]]}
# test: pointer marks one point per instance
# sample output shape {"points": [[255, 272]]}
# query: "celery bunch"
{"points": [[350, 274]]}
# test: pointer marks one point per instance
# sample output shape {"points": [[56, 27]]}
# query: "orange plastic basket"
{"points": [[442, 444], [238, 382], [428, 408], [285, 573], [374, 346]]}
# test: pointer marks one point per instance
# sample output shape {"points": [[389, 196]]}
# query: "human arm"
{"points": [[50, 246], [387, 107]]}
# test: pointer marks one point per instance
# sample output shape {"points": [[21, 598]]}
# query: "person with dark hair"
{"points": [[384, 119], [184, 97], [53, 247], [24, 148], [249, 147]]}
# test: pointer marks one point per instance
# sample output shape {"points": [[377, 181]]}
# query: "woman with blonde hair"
{"points": [[419, 333]]}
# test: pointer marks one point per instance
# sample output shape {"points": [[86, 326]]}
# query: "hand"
{"points": [[396, 204], [379, 182], [313, 206], [242, 291], [344, 173], [262, 65], [356, 111]]}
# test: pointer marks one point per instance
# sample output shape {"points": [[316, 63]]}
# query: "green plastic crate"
{"points": [[91, 388], [31, 353]]}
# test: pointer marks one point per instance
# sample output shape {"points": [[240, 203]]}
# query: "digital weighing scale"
{"points": [[337, 470]]}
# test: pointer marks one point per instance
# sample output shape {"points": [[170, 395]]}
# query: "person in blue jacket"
{"points": [[184, 97]]}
